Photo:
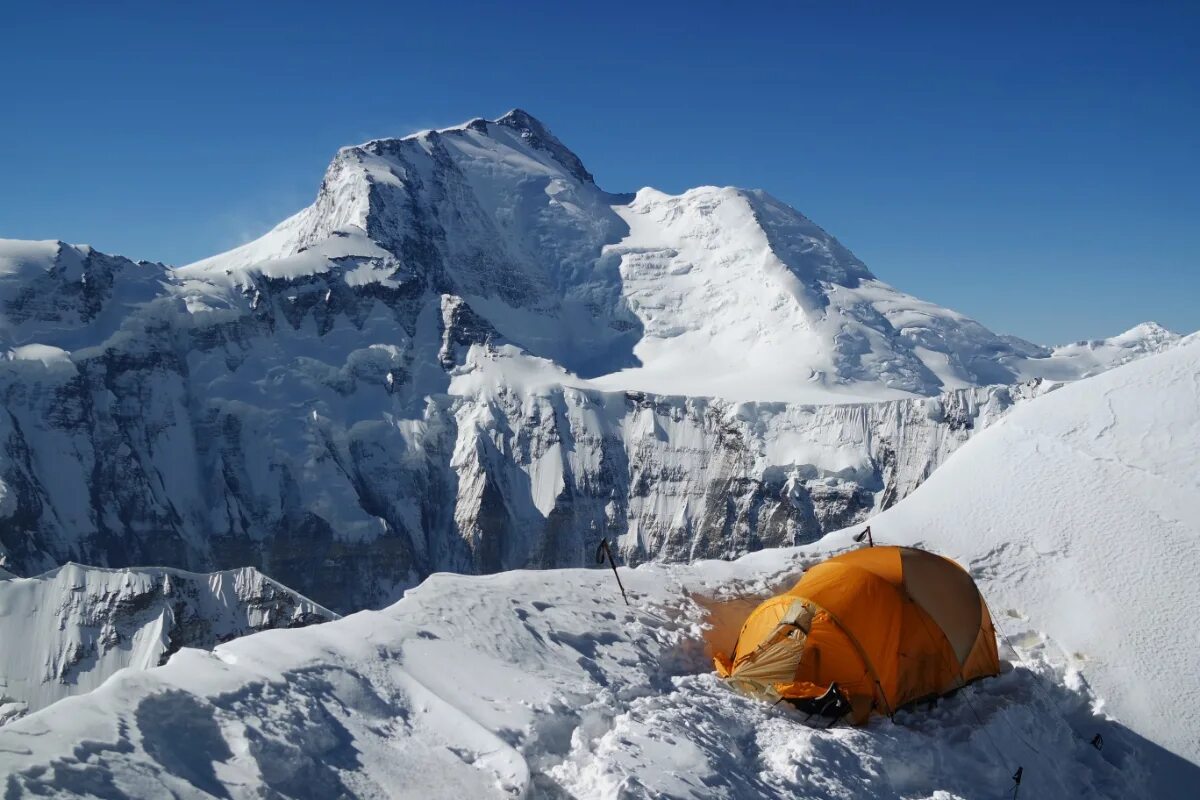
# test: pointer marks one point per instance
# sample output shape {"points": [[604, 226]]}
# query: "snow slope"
{"points": [[1080, 513], [1077, 513], [68, 631]]}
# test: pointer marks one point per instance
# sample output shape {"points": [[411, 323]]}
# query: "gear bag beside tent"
{"points": [[870, 630]]}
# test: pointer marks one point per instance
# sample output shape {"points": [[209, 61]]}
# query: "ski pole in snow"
{"points": [[602, 551], [1017, 781]]}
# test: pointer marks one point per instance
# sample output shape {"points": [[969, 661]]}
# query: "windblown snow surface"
{"points": [[1078, 513]]}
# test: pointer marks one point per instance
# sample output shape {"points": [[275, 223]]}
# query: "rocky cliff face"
{"points": [[466, 356], [67, 631], [542, 476]]}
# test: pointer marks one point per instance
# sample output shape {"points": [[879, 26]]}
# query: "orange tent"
{"points": [[870, 630]]}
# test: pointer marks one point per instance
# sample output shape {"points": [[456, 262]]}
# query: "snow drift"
{"points": [[1077, 514]]}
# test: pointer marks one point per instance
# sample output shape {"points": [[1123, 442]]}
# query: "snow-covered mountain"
{"points": [[67, 631], [466, 356], [1078, 513], [629, 290]]}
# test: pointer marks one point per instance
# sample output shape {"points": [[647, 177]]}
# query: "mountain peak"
{"points": [[518, 117], [1151, 328], [1148, 336], [533, 133], [539, 137]]}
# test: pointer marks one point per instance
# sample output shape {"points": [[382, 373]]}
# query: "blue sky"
{"points": [[1036, 168]]}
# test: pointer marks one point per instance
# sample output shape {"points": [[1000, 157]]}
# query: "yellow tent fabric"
{"points": [[889, 625]]}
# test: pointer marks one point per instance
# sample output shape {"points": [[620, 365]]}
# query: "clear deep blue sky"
{"points": [[1036, 168]]}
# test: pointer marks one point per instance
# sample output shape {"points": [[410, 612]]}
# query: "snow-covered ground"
{"points": [[539, 684], [1077, 513]]}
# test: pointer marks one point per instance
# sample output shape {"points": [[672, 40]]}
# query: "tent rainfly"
{"points": [[867, 631]]}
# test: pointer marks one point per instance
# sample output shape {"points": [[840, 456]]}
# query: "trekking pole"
{"points": [[865, 534], [602, 551], [1017, 781]]}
